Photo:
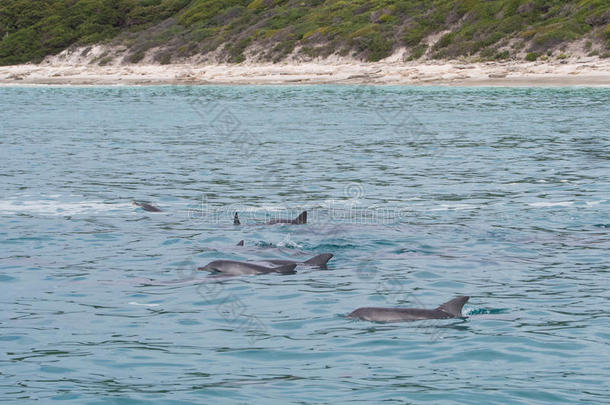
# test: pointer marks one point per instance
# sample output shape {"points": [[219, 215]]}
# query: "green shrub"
{"points": [[369, 29], [163, 57], [488, 53], [236, 51], [444, 41], [418, 51], [532, 56], [373, 45], [105, 61], [413, 36], [502, 55], [553, 38], [136, 57], [31, 30]]}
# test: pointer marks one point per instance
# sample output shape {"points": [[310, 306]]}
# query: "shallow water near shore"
{"points": [[422, 194]]}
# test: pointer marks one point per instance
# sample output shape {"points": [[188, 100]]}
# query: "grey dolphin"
{"points": [[319, 260], [146, 207], [236, 268], [301, 219], [450, 309], [240, 243]]}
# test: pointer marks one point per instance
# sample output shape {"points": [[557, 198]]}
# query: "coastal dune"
{"points": [[80, 66], [583, 72]]}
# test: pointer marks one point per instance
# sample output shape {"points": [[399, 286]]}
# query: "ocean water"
{"points": [[421, 194]]}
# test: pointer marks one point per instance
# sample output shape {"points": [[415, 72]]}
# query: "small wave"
{"points": [[143, 305], [552, 204], [594, 203], [487, 311], [456, 207]]}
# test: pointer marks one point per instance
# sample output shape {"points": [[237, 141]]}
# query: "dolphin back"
{"points": [[454, 307], [146, 206], [377, 314], [236, 268], [286, 269], [450, 309], [319, 260]]}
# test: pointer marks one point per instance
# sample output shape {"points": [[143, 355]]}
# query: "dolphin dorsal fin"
{"points": [[236, 219], [454, 307], [319, 260], [240, 243], [301, 219]]}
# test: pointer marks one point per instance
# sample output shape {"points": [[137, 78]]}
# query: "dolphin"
{"points": [[450, 309], [235, 268], [146, 207], [319, 260], [301, 219], [240, 243]]}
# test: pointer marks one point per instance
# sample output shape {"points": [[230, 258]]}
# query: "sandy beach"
{"points": [[577, 72]]}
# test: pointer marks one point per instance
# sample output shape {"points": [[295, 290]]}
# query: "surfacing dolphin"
{"points": [[318, 261], [300, 220], [450, 309], [235, 268], [146, 207]]}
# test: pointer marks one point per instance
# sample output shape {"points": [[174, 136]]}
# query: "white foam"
{"points": [[594, 203], [143, 305], [288, 242], [456, 207], [51, 207], [552, 204]]}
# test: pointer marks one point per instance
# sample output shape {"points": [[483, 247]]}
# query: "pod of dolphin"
{"points": [[450, 309]]}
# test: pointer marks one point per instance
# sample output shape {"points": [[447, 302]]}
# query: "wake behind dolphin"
{"points": [[450, 309]]}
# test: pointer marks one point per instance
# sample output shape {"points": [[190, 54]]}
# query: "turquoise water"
{"points": [[422, 194]]}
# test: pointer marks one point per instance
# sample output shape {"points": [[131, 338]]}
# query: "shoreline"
{"points": [[588, 72]]}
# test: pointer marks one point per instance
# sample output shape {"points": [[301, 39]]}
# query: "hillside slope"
{"points": [[271, 30]]}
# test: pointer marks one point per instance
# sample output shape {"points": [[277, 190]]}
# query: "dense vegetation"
{"points": [[272, 29]]}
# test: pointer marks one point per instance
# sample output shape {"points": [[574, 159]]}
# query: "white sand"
{"points": [[582, 71]]}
